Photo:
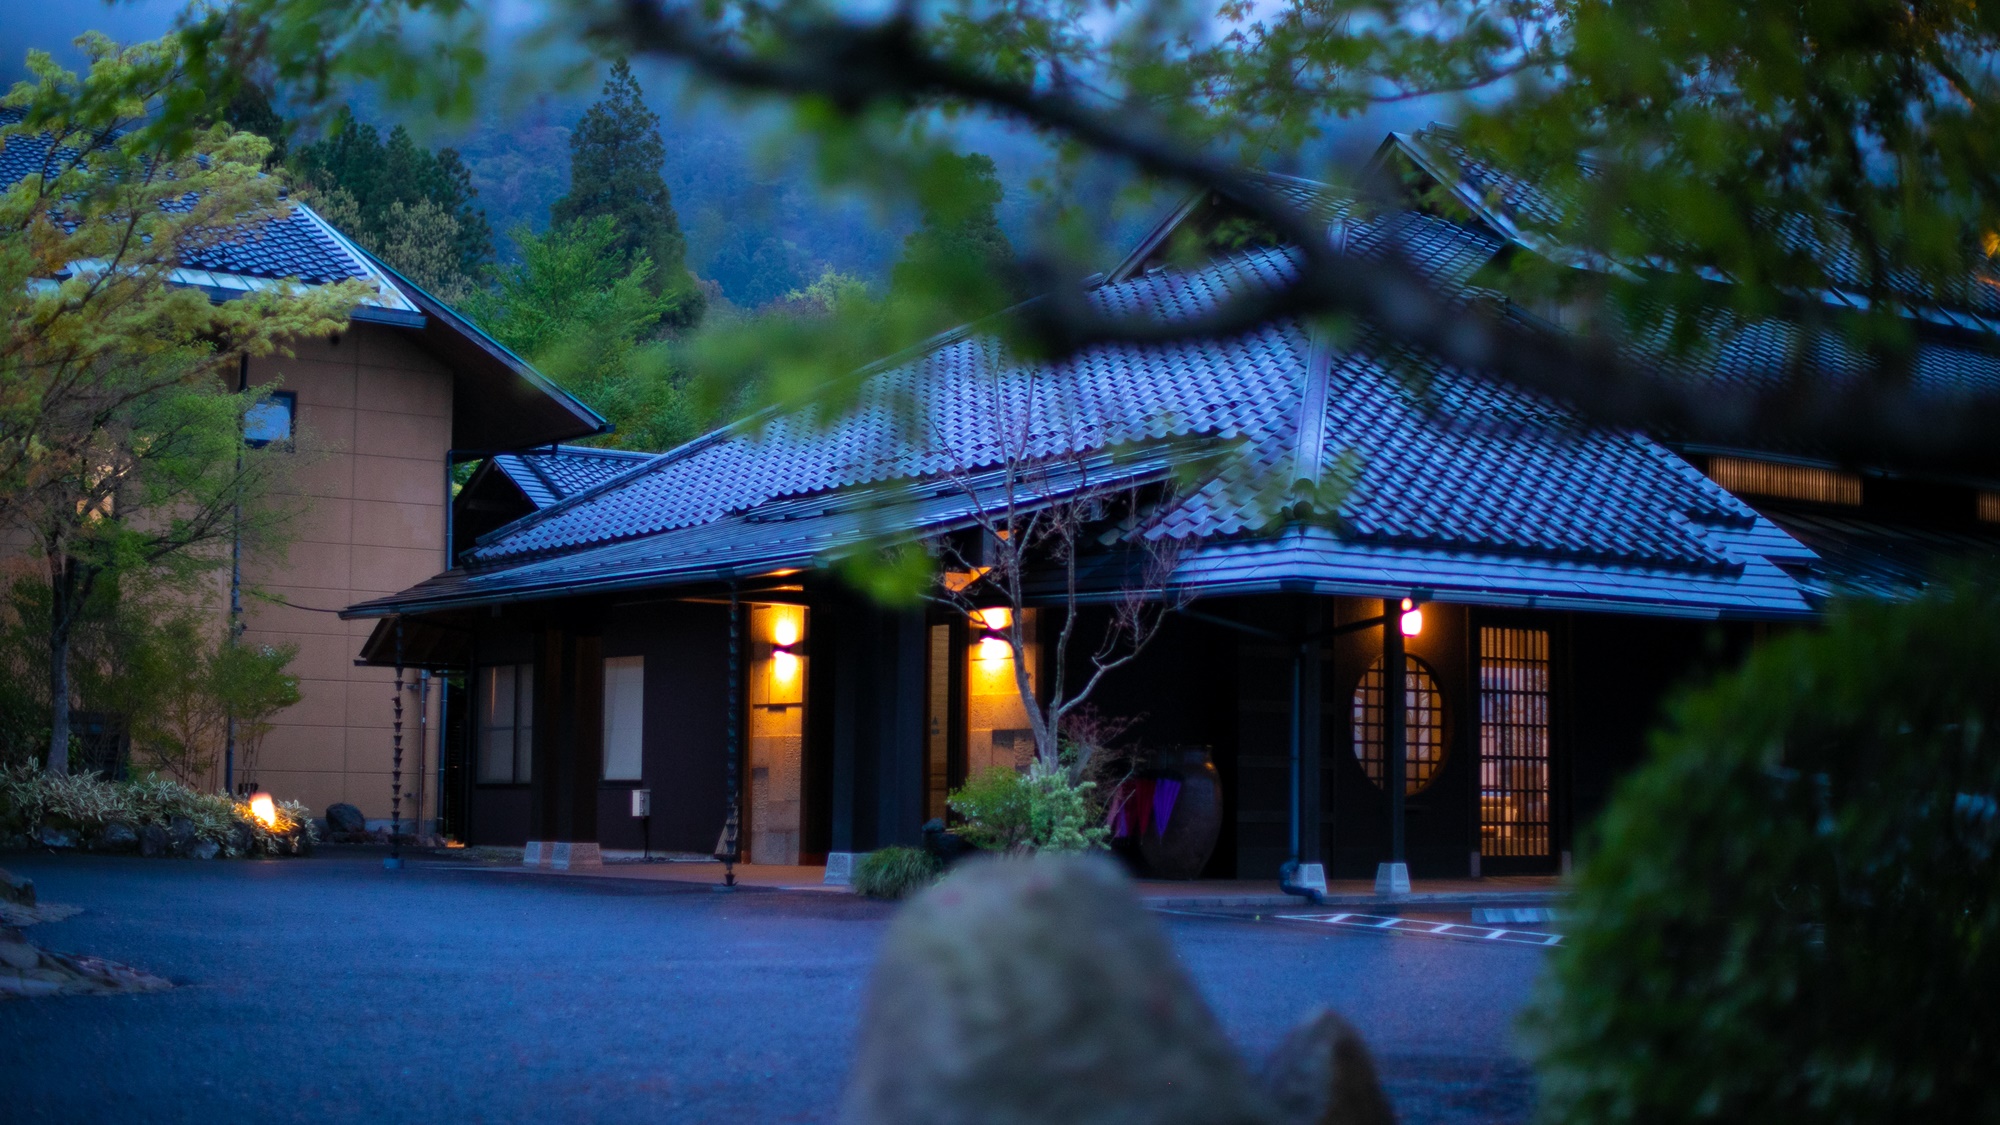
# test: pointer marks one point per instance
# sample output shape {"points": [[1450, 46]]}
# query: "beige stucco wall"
{"points": [[374, 422]]}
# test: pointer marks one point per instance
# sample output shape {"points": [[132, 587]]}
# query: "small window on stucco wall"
{"points": [[269, 422]]}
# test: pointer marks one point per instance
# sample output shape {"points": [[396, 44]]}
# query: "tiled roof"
{"points": [[297, 244], [1526, 212], [549, 475], [1866, 553], [1454, 484]]}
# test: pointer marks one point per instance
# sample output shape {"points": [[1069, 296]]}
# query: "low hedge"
{"points": [[895, 872], [32, 800]]}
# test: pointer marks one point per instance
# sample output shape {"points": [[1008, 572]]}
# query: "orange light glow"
{"points": [[264, 809], [993, 648], [1413, 618], [993, 617], [784, 667], [785, 631]]}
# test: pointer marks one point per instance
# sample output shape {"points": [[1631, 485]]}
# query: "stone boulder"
{"points": [[242, 837], [17, 889], [205, 849], [344, 818], [117, 836], [153, 841], [180, 835], [59, 838], [1039, 990]]}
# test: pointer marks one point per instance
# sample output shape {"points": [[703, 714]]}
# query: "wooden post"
{"points": [[1393, 877]]}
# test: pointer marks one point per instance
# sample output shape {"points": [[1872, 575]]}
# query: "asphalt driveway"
{"points": [[329, 990]]}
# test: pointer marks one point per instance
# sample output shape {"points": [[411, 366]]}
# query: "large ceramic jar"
{"points": [[1182, 851]]}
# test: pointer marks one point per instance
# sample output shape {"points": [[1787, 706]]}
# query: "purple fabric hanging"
{"points": [[1164, 794]]}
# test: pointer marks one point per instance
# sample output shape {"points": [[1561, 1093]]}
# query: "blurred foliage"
{"points": [[195, 679], [614, 172], [895, 872], [411, 207], [122, 460], [32, 799], [958, 247], [1792, 912], [1039, 809], [585, 315]]}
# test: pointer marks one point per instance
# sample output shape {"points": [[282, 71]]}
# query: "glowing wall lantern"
{"points": [[777, 675], [992, 624], [1413, 618]]}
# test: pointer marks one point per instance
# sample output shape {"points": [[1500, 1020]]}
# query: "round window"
{"points": [[1423, 738]]}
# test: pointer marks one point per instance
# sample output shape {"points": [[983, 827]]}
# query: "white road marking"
{"points": [[1425, 927]]}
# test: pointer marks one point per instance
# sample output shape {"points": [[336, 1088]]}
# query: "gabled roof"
{"points": [[548, 476], [1453, 485], [502, 402]]}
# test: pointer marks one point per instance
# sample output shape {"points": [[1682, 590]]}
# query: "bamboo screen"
{"points": [[1786, 482]]}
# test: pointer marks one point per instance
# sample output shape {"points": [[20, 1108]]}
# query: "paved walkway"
{"points": [[330, 989], [1520, 890]]}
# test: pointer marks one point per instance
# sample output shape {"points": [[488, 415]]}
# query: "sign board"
{"points": [[642, 802]]}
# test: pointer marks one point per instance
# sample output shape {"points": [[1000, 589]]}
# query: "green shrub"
{"points": [[1041, 810], [1793, 910], [31, 799], [895, 872]]}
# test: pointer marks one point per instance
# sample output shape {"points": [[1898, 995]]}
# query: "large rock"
{"points": [[116, 837], [345, 818], [180, 835], [17, 889], [205, 849], [1038, 990], [242, 837], [55, 837], [153, 841], [1031, 991]]}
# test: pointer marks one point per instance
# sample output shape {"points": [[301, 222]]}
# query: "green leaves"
{"points": [[587, 316], [1792, 910]]}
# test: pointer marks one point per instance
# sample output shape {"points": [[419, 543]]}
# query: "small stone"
{"points": [[55, 838], [205, 849], [152, 841], [344, 817], [19, 955], [16, 888], [116, 837], [1322, 1073]]}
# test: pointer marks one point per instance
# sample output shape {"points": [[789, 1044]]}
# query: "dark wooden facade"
{"points": [[1222, 679]]}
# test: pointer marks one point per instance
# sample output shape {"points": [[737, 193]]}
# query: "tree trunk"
{"points": [[65, 595], [58, 695]]}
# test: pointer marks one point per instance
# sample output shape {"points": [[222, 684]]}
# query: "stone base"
{"points": [[1305, 877], [583, 853], [840, 868], [536, 854], [1392, 878]]}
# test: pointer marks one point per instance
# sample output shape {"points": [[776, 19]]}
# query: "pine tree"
{"points": [[615, 156], [958, 256], [370, 187]]}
